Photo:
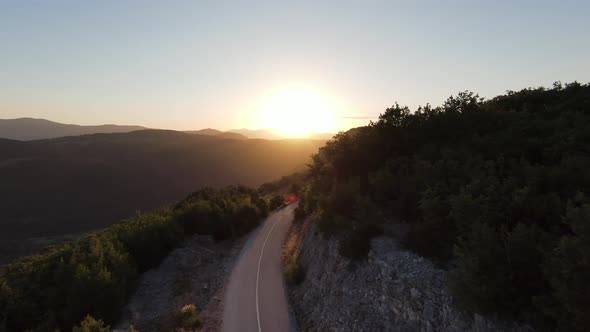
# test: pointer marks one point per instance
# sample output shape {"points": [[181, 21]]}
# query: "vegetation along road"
{"points": [[255, 299]]}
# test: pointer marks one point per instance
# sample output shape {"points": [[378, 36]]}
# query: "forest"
{"points": [[95, 275], [495, 191]]}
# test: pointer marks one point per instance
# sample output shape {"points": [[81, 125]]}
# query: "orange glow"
{"points": [[297, 112]]}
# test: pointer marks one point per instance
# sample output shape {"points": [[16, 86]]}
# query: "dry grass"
{"points": [[292, 267], [291, 245]]}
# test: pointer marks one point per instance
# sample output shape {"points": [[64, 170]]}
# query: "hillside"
{"points": [[96, 274], [262, 133], [217, 133], [258, 133], [229, 135], [70, 185], [25, 129], [494, 192], [206, 131]]}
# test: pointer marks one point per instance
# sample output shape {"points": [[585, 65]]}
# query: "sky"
{"points": [[225, 65]]}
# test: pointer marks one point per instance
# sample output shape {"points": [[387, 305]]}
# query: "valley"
{"points": [[64, 186]]}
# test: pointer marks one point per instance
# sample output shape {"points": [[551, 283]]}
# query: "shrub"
{"points": [[276, 201], [89, 324], [294, 272], [198, 217], [260, 204], [188, 317], [431, 239], [330, 224], [357, 243], [148, 237], [300, 212]]}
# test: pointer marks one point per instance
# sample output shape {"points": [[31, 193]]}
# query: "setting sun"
{"points": [[294, 165], [296, 112]]}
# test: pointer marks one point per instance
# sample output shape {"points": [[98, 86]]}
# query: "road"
{"points": [[255, 298]]}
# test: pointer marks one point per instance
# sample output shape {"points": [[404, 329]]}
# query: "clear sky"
{"points": [[196, 64]]}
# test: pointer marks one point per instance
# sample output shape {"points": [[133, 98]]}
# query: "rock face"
{"points": [[393, 290]]}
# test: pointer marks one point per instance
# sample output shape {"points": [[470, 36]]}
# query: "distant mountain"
{"points": [[324, 136], [217, 133], [68, 185], [273, 134], [206, 131], [231, 135], [26, 129], [258, 133]]}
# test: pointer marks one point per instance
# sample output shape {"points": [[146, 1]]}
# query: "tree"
{"points": [[89, 324], [465, 101]]}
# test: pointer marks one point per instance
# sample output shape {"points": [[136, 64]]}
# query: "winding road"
{"points": [[255, 298]]}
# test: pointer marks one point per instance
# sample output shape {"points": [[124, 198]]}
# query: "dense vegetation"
{"points": [[94, 275], [497, 191], [71, 185]]}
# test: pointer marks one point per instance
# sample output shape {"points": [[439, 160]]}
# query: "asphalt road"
{"points": [[255, 298]]}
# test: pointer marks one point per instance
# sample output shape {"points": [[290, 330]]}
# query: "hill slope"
{"points": [[217, 133], [257, 133], [496, 191], [73, 184], [26, 129]]}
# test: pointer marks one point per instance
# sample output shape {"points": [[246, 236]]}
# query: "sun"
{"points": [[297, 112]]}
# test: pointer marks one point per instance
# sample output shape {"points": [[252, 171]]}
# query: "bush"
{"points": [[188, 317], [198, 217], [300, 212], [431, 239], [294, 272], [275, 202], [330, 224], [357, 243], [260, 204], [89, 324], [148, 237]]}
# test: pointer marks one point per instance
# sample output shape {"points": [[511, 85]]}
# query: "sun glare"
{"points": [[297, 112]]}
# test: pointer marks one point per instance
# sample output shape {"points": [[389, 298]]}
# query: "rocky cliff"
{"points": [[392, 290]]}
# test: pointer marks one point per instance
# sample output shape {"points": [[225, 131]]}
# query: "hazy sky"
{"points": [[195, 64]]}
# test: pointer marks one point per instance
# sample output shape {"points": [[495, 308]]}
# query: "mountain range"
{"points": [[27, 129], [273, 134], [70, 185], [217, 133]]}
